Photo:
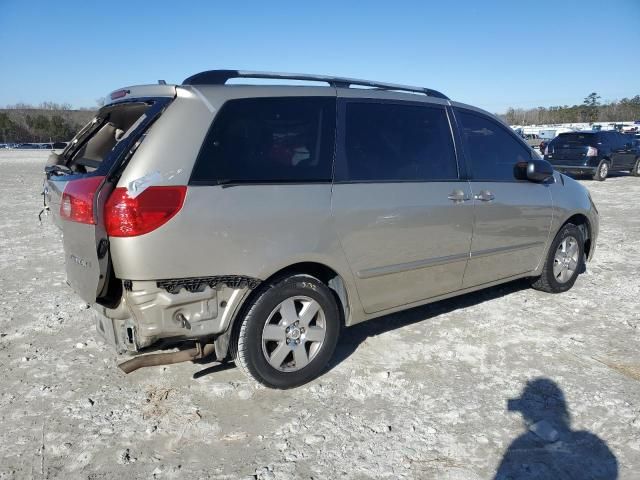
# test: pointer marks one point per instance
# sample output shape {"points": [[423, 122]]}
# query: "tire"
{"points": [[636, 169], [558, 276], [602, 171], [268, 345]]}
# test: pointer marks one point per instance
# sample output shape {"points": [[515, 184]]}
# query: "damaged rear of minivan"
{"points": [[93, 203], [253, 222]]}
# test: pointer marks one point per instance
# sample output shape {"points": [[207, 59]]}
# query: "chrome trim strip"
{"points": [[513, 248], [433, 262], [405, 267]]}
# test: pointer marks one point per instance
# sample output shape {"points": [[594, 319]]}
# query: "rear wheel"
{"points": [[289, 332], [564, 262], [636, 169], [602, 171]]}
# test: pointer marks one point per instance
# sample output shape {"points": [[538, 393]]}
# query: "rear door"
{"points": [[402, 213], [79, 181], [624, 151], [512, 217]]}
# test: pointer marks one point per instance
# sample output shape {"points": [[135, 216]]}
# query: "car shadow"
{"points": [[352, 337], [218, 367], [548, 447]]}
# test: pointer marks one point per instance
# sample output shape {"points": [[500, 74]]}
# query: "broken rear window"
{"points": [[112, 125]]}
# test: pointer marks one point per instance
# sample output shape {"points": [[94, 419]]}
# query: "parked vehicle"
{"points": [[595, 153], [254, 222], [549, 134]]}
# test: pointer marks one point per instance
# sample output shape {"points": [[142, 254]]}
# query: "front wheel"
{"points": [[564, 261], [288, 333], [602, 171], [636, 169]]}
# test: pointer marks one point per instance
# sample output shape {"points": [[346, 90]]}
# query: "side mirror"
{"points": [[539, 170]]}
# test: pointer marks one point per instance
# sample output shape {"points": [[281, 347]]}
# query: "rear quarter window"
{"points": [[269, 140]]}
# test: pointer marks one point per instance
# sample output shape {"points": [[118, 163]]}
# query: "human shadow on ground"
{"points": [[548, 448], [352, 337]]}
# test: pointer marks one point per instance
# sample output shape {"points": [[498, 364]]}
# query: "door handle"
{"points": [[458, 196], [484, 196]]}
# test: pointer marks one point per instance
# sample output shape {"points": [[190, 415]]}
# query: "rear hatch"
{"points": [[571, 148], [80, 180]]}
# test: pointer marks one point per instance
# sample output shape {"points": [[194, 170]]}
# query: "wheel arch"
{"points": [[324, 273], [327, 275], [582, 222]]}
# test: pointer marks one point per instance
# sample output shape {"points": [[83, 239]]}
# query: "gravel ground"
{"points": [[420, 394]]}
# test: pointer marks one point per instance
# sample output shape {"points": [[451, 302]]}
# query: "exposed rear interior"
{"points": [[79, 182], [115, 124]]}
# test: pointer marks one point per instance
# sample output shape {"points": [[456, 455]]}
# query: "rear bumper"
{"points": [[575, 168], [150, 311]]}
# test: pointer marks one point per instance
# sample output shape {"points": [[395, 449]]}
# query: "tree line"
{"points": [[47, 122], [51, 122], [591, 110]]}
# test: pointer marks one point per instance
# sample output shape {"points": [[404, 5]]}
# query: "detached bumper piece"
{"points": [[154, 359]]}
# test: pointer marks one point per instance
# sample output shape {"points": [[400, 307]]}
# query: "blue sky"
{"points": [[490, 54]]}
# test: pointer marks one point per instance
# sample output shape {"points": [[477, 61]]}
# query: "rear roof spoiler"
{"points": [[220, 77], [140, 91]]}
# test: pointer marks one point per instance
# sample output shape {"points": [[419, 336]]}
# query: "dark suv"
{"points": [[594, 152]]}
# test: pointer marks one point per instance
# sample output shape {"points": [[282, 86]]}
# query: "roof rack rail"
{"points": [[220, 77]]}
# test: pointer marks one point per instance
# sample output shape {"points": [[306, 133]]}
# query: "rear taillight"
{"points": [[127, 216], [77, 200], [592, 152]]}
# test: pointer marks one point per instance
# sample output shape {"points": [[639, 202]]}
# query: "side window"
{"points": [[618, 140], [387, 142], [621, 140], [492, 151], [608, 140], [288, 139]]}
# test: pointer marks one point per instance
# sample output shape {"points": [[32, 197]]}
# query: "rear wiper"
{"points": [[57, 170]]}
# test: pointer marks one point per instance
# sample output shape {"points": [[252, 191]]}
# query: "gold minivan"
{"points": [[252, 222]]}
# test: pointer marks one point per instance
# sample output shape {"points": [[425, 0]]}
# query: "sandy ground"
{"points": [[421, 394]]}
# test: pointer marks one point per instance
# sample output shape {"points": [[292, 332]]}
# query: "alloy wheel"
{"points": [[565, 261], [604, 170], [294, 333]]}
